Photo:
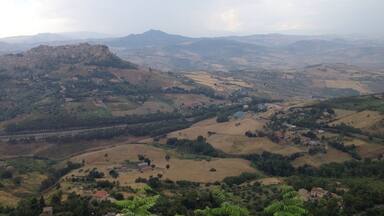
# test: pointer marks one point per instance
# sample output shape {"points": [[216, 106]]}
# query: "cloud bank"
{"points": [[193, 17]]}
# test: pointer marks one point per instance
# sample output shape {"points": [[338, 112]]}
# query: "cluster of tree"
{"points": [[95, 174], [157, 183], [5, 174], [199, 90], [359, 103], [209, 92], [105, 184], [144, 159], [223, 117], [272, 164], [250, 134], [56, 174], [224, 114], [113, 173], [198, 146], [346, 129], [350, 149], [243, 177], [303, 117], [313, 150], [363, 168], [100, 134], [73, 205]]}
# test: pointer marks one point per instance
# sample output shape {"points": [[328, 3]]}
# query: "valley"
{"points": [[78, 122]]}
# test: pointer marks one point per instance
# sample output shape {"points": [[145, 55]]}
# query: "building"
{"points": [[47, 211], [314, 143], [101, 195], [239, 115], [318, 193], [290, 126], [262, 107], [143, 166]]}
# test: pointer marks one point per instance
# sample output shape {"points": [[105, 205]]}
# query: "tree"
{"points": [[223, 206], [28, 207], [290, 205], [222, 117], [113, 173], [42, 202], [226, 209], [167, 157], [139, 205]]}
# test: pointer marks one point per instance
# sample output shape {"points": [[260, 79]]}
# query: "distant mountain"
{"points": [[83, 35], [272, 40], [35, 39], [46, 38], [165, 51], [151, 38], [273, 51], [314, 46]]}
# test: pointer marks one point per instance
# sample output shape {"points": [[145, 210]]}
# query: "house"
{"points": [[290, 126], [274, 106], [143, 167], [101, 195], [262, 107], [239, 115], [314, 143], [47, 211], [318, 193]]}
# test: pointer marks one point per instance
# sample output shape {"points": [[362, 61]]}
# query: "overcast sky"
{"points": [[193, 17]]}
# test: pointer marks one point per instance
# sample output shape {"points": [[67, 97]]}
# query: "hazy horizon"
{"points": [[102, 35], [191, 18]]}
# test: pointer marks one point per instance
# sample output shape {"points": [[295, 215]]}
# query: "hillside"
{"points": [[271, 51], [87, 82]]}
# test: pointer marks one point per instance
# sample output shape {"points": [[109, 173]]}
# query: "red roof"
{"points": [[101, 194]]}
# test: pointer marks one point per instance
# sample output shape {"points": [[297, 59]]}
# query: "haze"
{"points": [[191, 17]]}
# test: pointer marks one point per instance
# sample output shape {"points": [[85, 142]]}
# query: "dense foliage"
{"points": [[198, 146], [272, 164]]}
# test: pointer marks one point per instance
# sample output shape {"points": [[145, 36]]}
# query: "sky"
{"points": [[193, 17]]}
